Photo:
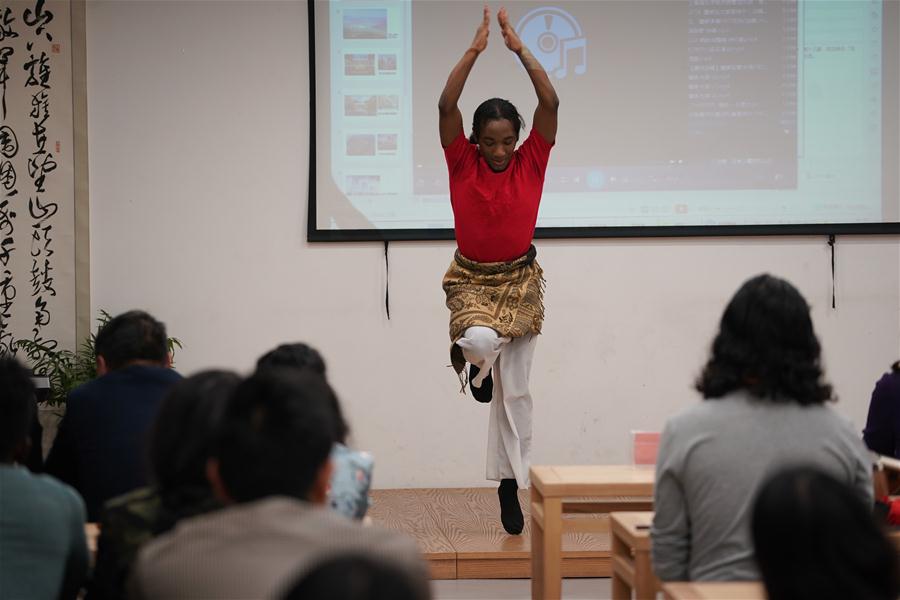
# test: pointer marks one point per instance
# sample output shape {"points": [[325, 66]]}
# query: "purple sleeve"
{"points": [[881, 432]]}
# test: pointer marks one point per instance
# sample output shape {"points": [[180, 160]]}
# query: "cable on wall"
{"points": [[387, 282], [831, 245]]}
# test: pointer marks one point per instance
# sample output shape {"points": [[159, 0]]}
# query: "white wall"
{"points": [[198, 163]]}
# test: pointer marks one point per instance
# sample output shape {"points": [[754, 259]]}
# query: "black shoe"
{"points": [[486, 391], [510, 511]]}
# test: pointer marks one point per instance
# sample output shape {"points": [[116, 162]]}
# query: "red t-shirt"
{"points": [[495, 213]]}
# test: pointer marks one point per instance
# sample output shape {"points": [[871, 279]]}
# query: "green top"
{"points": [[43, 552], [128, 522]]}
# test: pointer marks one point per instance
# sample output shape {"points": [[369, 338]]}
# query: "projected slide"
{"points": [[700, 112]]}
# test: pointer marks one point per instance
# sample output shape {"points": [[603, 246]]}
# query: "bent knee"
{"points": [[479, 344]]}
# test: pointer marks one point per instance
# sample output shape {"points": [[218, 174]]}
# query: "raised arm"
{"points": [[545, 115], [450, 119]]}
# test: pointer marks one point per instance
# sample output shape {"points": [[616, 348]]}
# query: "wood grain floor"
{"points": [[459, 532]]}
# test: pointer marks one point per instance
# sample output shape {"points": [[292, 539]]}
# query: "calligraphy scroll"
{"points": [[37, 212]]}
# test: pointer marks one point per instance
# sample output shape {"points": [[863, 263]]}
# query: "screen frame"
{"points": [[890, 150]]}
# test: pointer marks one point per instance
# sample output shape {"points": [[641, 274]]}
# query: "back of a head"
{"points": [[297, 355], [276, 434], [17, 407], [184, 431], [815, 539], [766, 344], [356, 577], [132, 336], [301, 356]]}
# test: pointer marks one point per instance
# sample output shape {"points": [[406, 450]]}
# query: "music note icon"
{"points": [[553, 35], [566, 47]]}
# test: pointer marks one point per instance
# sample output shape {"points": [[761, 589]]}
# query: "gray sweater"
{"points": [[712, 459], [256, 549]]}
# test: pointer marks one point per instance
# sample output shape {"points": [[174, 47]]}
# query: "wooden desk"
{"points": [[888, 462], [894, 536], [632, 569], [607, 486], [714, 590]]}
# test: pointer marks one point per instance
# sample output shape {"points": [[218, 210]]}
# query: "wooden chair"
{"points": [[632, 569], [609, 487], [714, 590]]}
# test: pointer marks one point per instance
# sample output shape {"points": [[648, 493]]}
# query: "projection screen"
{"points": [[677, 117]]}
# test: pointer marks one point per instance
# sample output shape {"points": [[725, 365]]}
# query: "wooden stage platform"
{"points": [[459, 532]]}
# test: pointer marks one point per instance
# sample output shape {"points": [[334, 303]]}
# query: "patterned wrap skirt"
{"points": [[508, 297]]}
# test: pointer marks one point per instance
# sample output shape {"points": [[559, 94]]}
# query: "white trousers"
{"points": [[509, 425]]}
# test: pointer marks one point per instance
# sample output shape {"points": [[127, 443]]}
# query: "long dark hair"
{"points": [[766, 344], [815, 539], [183, 434], [17, 406], [493, 110]]}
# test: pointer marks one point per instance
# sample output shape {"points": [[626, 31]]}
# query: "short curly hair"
{"points": [[766, 345], [131, 336]]}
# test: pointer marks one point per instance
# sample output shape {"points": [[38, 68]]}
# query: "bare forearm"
{"points": [[546, 94], [457, 80]]}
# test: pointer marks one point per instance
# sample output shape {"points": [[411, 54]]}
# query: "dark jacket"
{"points": [[100, 448], [882, 432]]}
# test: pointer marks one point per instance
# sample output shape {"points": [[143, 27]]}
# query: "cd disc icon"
{"points": [[556, 40]]}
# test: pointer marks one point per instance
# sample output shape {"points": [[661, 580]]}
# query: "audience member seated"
{"points": [[815, 540], [43, 551], [882, 436], [764, 408], [348, 492], [35, 459], [272, 467], [99, 448], [180, 443], [882, 432], [356, 577]]}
